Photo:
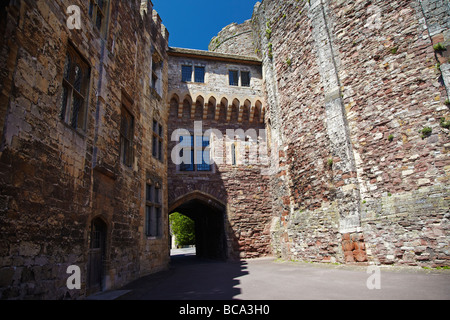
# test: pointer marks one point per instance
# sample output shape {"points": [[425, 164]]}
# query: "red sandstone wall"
{"points": [[387, 83], [242, 188]]}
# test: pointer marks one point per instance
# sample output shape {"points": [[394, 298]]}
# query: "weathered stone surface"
{"points": [[54, 179], [240, 187], [344, 90], [352, 85]]}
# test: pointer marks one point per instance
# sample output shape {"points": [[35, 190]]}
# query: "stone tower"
{"points": [[357, 106]]}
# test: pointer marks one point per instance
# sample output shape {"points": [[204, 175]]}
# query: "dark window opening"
{"points": [[245, 79], [186, 73], [234, 78], [200, 74], [157, 141], [75, 89], [126, 137], [97, 12], [153, 221]]}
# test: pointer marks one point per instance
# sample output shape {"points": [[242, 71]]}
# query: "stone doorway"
{"points": [[209, 217]]}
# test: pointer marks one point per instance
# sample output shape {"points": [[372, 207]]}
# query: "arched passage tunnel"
{"points": [[209, 218]]}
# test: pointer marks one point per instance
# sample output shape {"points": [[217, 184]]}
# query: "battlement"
{"points": [[153, 19]]}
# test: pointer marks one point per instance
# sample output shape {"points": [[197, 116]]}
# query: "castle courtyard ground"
{"points": [[190, 278]]}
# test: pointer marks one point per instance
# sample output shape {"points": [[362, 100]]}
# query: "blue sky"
{"points": [[193, 23]]}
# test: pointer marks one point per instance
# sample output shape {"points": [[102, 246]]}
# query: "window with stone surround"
{"points": [[187, 144], [199, 73], [157, 141], [186, 73], [233, 154], [156, 73], [245, 78], [199, 76], [198, 147], [233, 76], [239, 78], [75, 90], [98, 12], [153, 210], [203, 153], [126, 135]]}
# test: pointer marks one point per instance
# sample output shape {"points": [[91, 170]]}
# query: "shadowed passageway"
{"points": [[209, 218], [190, 278]]}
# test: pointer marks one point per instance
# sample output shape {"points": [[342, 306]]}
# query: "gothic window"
{"points": [[75, 89], [153, 208], [126, 136]]}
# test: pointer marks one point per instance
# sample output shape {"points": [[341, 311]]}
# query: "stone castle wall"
{"points": [[348, 88], [344, 90], [216, 105], [54, 179]]}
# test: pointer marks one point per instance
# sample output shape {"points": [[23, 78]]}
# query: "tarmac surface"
{"points": [[191, 278]]}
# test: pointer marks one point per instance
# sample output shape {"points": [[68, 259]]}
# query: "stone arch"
{"points": [[263, 112], [244, 113], [186, 108], [211, 106], [209, 215], [221, 111], [197, 195], [233, 110], [174, 104], [258, 117], [197, 108]]}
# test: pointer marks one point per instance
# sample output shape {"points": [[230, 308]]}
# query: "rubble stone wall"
{"points": [[54, 179], [349, 86], [242, 187]]}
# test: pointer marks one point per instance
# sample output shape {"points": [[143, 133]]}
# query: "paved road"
{"points": [[190, 278]]}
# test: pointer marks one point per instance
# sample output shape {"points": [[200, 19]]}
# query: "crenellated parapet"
{"points": [[153, 23]]}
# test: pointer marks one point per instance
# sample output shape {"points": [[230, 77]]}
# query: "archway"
{"points": [[209, 217]]}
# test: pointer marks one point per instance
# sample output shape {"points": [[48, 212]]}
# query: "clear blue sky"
{"points": [[193, 23]]}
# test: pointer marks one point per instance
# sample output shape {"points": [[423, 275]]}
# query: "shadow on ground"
{"points": [[190, 278]]}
